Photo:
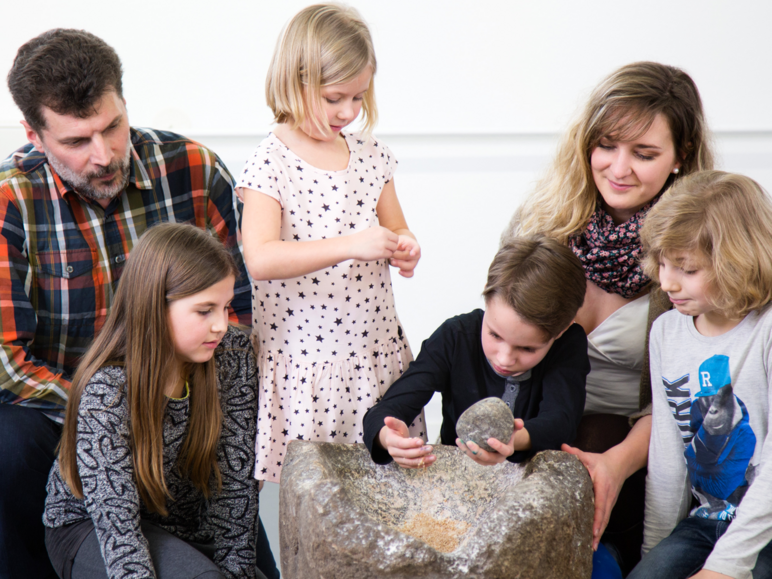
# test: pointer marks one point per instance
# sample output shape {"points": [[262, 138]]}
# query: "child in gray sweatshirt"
{"points": [[708, 503]]}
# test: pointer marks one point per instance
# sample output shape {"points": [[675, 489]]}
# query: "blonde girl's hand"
{"points": [[500, 450], [407, 452], [373, 243], [407, 255]]}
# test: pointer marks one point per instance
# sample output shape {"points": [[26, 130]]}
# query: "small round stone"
{"points": [[488, 418]]}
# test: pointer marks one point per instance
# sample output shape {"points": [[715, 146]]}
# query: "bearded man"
{"points": [[72, 204]]}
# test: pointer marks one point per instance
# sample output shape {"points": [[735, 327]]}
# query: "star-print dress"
{"points": [[330, 342]]}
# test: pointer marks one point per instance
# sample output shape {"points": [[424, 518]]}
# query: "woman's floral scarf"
{"points": [[610, 253]]}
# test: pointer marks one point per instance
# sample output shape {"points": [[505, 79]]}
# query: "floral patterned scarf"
{"points": [[610, 253]]}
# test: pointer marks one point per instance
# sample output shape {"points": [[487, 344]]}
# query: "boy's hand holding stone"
{"points": [[407, 452], [500, 450], [482, 429]]}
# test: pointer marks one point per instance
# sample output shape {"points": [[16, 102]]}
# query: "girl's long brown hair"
{"points": [[171, 261]]}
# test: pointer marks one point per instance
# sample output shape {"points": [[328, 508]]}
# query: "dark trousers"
{"points": [[28, 442], [685, 551], [27, 450], [172, 557]]}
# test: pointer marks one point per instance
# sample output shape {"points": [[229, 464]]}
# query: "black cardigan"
{"points": [[452, 362]]}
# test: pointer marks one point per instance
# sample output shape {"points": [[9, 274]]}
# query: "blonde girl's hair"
{"points": [[540, 279], [170, 261], [721, 222], [621, 108], [323, 44]]}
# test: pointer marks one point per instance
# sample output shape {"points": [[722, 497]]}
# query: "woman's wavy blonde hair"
{"points": [[323, 44], [622, 107], [721, 222]]}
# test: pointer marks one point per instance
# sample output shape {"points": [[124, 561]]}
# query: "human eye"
{"points": [[606, 145], [528, 350], [494, 335], [332, 101], [204, 313], [645, 157]]}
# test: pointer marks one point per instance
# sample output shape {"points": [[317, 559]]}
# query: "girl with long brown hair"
{"points": [[154, 475]]}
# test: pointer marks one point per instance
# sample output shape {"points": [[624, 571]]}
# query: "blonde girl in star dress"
{"points": [[321, 225]]}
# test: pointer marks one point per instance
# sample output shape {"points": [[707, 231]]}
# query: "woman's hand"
{"points": [[373, 243], [706, 574], [407, 255], [407, 452], [607, 479], [501, 450]]}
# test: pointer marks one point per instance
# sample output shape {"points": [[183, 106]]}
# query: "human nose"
{"points": [[220, 323], [101, 153], [506, 357], [346, 111], [620, 164], [668, 281]]}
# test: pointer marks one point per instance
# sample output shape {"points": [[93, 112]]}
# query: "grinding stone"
{"points": [[488, 418], [344, 517]]}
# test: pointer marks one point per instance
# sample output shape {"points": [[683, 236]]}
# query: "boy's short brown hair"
{"points": [[539, 278]]}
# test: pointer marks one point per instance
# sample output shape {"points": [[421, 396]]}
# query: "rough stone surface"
{"points": [[340, 514], [488, 418]]}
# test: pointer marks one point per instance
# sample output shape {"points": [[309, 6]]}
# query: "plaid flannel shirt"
{"points": [[62, 255]]}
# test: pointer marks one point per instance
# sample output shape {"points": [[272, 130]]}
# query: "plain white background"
{"points": [[472, 97]]}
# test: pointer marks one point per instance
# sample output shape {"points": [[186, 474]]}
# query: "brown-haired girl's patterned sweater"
{"points": [[111, 501]]}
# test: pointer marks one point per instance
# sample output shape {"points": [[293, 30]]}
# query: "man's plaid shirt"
{"points": [[61, 255]]}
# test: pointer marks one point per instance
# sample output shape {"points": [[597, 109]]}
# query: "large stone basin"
{"points": [[342, 516]]}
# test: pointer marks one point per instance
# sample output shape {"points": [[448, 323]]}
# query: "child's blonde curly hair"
{"points": [[723, 222]]}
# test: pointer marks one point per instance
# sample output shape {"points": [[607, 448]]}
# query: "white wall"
{"points": [[472, 97], [446, 66]]}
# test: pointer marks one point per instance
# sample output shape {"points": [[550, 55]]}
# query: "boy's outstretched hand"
{"points": [[407, 452], [502, 451]]}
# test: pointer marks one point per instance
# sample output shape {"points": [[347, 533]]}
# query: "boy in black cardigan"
{"points": [[524, 348]]}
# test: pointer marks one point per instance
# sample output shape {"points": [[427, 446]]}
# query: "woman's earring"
{"points": [[675, 171]]}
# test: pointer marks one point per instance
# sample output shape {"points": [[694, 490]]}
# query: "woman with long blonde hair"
{"points": [[642, 129], [155, 469]]}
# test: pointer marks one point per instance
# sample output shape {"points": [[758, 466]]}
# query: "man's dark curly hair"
{"points": [[66, 70]]}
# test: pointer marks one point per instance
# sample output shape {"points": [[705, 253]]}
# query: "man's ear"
{"points": [[33, 137]]}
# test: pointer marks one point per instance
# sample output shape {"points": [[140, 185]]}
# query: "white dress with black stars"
{"points": [[330, 342]]}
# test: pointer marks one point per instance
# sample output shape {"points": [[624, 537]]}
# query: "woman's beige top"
{"points": [[616, 351]]}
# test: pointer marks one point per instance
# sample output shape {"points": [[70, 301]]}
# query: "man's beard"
{"points": [[82, 182]]}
